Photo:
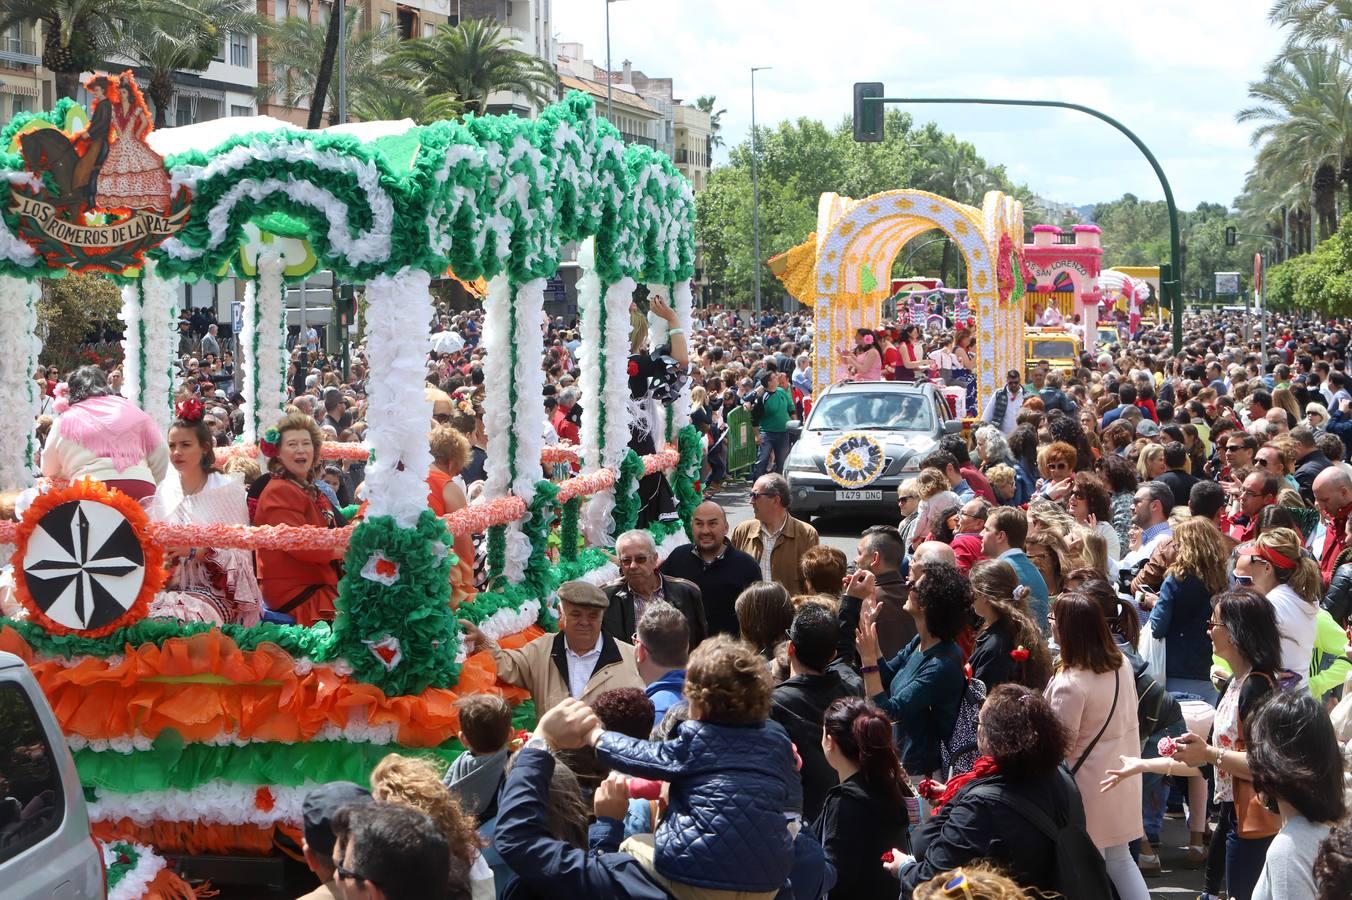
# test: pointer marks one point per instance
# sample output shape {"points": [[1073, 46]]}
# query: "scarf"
{"points": [[113, 428], [982, 768]]}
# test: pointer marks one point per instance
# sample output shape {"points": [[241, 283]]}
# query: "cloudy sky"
{"points": [[1174, 71]]}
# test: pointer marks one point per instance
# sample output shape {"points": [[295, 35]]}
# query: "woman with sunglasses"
{"points": [[1089, 505], [1056, 463], [1093, 694], [1244, 634], [1275, 566], [921, 687]]}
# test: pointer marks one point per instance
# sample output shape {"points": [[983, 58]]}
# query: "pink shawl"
{"points": [[113, 428]]}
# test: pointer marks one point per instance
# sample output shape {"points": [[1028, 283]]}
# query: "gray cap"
{"points": [[321, 805], [583, 593], [1147, 428]]}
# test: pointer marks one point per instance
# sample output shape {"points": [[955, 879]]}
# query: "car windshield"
{"points": [[1051, 350], [884, 411]]}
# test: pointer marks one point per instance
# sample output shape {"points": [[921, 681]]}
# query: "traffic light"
{"points": [[868, 116], [347, 305], [1231, 236]]}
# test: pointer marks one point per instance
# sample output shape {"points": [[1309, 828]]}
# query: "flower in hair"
{"points": [[189, 409], [61, 397], [267, 445], [1019, 653], [868, 339]]}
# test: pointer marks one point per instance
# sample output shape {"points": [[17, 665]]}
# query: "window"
{"points": [[303, 9], [386, 20], [22, 104], [240, 51], [325, 11], [237, 111], [279, 10], [428, 29], [29, 773]]}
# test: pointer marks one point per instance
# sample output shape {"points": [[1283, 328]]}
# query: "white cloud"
{"points": [[1175, 73]]}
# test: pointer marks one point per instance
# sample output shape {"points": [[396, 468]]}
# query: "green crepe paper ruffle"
{"points": [[568, 530], [415, 610], [497, 552], [315, 642], [538, 525], [626, 492], [127, 859], [172, 764], [686, 476]]}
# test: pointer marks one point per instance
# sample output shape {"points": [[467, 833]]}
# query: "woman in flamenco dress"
{"points": [[132, 176]]}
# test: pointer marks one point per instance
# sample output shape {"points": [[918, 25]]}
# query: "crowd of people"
{"points": [[1128, 591]]}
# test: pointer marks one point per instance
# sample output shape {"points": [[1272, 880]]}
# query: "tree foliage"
{"points": [[70, 309], [799, 161], [1319, 281]]}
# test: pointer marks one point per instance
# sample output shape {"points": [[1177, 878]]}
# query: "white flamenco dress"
{"points": [[216, 585]]}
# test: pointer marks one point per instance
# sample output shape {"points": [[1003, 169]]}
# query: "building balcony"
{"points": [[16, 50], [635, 139]]}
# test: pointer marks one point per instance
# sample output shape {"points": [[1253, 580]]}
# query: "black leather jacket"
{"points": [[1338, 600]]}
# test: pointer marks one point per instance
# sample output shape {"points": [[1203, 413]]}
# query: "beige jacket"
{"points": [[542, 668], [789, 549]]}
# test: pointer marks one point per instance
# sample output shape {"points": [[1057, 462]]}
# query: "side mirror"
{"points": [[953, 426]]}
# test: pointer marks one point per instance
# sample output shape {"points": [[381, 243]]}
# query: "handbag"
{"points": [[1152, 650], [959, 752], [1117, 691], [1253, 819]]}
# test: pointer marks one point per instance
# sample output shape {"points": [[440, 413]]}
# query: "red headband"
{"points": [[1278, 560]]}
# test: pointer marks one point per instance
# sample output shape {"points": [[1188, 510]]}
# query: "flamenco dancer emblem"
{"points": [[101, 197]]}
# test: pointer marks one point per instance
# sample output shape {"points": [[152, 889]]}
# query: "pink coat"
{"points": [[1082, 700]]}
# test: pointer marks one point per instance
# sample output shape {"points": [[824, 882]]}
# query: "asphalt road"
{"points": [[842, 532]]}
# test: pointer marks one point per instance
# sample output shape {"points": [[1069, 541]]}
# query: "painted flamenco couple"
{"points": [[120, 169]]}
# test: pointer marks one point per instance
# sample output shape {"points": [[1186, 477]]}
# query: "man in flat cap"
{"points": [[580, 661], [317, 811]]}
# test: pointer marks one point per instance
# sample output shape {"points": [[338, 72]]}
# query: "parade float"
{"points": [[201, 739], [843, 271]]}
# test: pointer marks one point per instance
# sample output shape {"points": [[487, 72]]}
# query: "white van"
{"points": [[46, 848]]}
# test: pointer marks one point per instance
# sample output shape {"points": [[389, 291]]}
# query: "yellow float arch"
{"points": [[857, 242]]}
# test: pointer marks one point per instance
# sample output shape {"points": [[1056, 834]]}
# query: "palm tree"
{"points": [[79, 34], [296, 49], [707, 104], [1306, 125], [405, 102], [164, 44], [472, 60], [1314, 24]]}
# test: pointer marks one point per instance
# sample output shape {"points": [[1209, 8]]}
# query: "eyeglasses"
{"points": [[757, 494], [1212, 623], [1247, 492], [633, 560], [1234, 448], [1057, 466], [980, 516]]}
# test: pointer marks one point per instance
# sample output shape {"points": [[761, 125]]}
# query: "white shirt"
{"points": [[581, 667], [1296, 624], [768, 541]]}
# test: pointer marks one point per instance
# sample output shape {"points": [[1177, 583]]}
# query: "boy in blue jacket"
{"points": [[733, 781]]}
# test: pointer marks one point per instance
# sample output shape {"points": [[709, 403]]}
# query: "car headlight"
{"points": [[800, 463], [912, 464]]}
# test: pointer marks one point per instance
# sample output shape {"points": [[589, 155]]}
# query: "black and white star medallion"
{"points": [[84, 565]]}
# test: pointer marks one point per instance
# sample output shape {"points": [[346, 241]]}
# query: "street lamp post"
{"points": [[755, 197], [610, 102], [1170, 282]]}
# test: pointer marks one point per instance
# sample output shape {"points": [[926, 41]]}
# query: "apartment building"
{"points": [[531, 22], [693, 147], [24, 85]]}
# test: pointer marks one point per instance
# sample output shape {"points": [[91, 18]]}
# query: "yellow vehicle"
{"points": [[1107, 336], [1060, 350]]}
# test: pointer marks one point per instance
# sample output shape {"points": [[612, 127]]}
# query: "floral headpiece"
{"points": [[189, 410], [867, 339], [61, 397], [268, 443]]}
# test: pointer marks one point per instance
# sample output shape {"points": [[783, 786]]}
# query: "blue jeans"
{"points": [[1244, 858], [771, 440], [1155, 788]]}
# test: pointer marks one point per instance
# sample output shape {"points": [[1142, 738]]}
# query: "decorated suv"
{"points": [[861, 440]]}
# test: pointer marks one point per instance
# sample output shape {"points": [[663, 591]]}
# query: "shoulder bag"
{"points": [[1117, 690], [1253, 820]]}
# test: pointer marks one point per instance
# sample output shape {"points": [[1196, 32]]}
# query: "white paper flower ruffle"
{"points": [[506, 622], [19, 348], [683, 302], [159, 309], [597, 520], [133, 884], [213, 802], [399, 411], [265, 345], [497, 338]]}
